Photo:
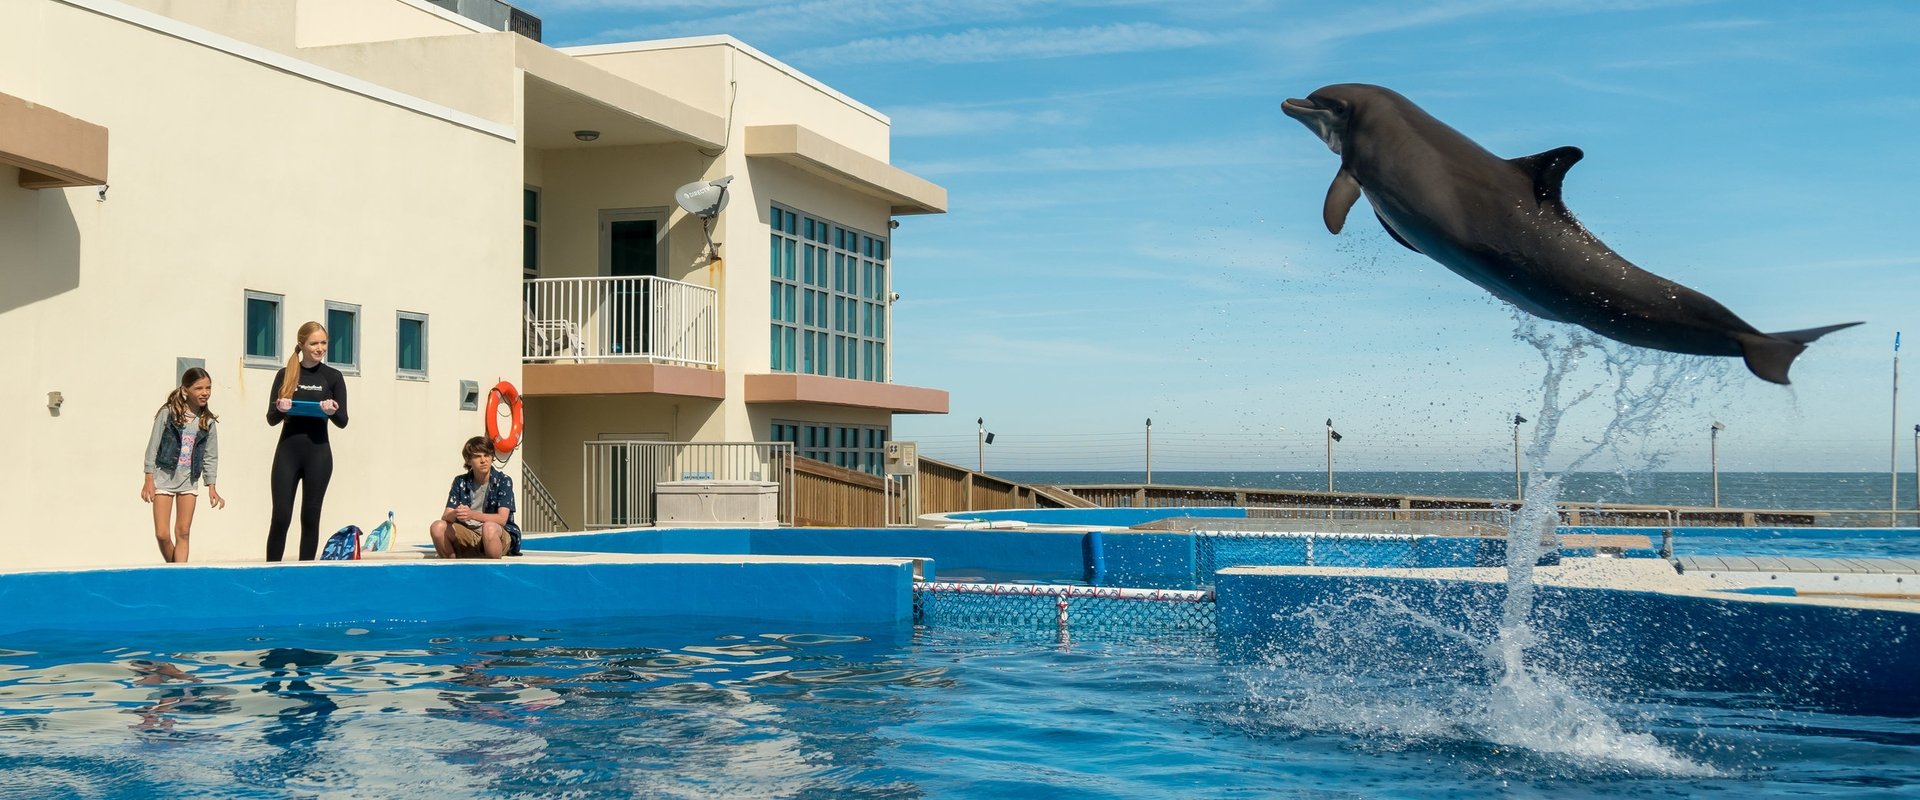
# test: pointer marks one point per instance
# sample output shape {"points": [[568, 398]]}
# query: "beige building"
{"points": [[187, 181]]}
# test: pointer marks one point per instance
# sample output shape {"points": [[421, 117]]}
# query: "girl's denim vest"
{"points": [[168, 457]]}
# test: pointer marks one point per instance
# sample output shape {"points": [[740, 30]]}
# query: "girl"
{"points": [[303, 454], [182, 450]]}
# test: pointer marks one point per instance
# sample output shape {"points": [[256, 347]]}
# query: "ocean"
{"points": [[1768, 490]]}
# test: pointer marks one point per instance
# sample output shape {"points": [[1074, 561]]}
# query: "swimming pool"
{"points": [[617, 708]]}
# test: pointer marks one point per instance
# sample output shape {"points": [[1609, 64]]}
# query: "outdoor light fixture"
{"points": [[1519, 489], [1713, 435], [1332, 436], [586, 136]]}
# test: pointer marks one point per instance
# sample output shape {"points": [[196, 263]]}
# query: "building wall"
{"points": [[229, 175], [698, 72], [558, 427]]}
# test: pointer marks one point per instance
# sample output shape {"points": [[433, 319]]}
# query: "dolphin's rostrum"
{"points": [[1501, 224]]}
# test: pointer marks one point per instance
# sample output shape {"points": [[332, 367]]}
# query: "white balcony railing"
{"points": [[621, 319]]}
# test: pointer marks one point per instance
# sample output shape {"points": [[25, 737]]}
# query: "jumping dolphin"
{"points": [[1501, 224]]}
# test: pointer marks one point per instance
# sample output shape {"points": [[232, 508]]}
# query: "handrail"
{"points": [[543, 512], [621, 318]]}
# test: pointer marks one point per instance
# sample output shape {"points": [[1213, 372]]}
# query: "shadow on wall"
{"points": [[39, 242]]}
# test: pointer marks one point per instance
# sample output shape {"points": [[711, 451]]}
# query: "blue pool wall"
{"points": [[180, 597], [1622, 640], [1145, 559]]}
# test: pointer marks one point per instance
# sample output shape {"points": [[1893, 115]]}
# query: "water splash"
{"points": [[1450, 671], [1527, 706]]}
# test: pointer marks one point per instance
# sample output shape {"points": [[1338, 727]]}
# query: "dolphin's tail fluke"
{"points": [[1769, 355]]}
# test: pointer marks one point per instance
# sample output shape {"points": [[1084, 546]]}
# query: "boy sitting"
{"points": [[478, 522]]}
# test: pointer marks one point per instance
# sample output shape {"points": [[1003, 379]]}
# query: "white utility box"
{"points": [[718, 504]]}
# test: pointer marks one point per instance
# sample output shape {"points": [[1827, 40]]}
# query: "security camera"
{"points": [[893, 297]]}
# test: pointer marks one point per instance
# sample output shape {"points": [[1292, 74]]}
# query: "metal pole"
{"points": [[980, 444], [1329, 456], [1519, 489], [1893, 441], [1149, 450], [1713, 436]]}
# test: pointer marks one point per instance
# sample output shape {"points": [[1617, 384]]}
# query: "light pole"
{"points": [[1149, 451], [1713, 435], [980, 444], [1519, 491], [1332, 436], [1893, 441]]}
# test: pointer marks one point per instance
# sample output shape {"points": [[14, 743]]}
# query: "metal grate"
{"points": [[1065, 612]]}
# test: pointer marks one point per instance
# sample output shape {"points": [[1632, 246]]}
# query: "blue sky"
{"points": [[1135, 230]]}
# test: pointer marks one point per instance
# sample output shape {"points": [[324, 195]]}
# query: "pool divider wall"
{"points": [[1148, 559], [1615, 640], [1097, 517], [171, 598]]}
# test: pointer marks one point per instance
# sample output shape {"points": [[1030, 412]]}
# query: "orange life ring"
{"points": [[504, 392]]}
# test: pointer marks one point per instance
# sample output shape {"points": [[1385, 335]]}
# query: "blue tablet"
{"points": [[306, 408]]}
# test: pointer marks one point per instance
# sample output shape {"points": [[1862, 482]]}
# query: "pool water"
{"points": [[1800, 542], [611, 708]]}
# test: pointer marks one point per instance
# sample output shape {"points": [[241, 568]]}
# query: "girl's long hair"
{"points": [[292, 379], [178, 403]]}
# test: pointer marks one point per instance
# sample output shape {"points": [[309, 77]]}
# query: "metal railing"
{"points": [[622, 477], [539, 512], [621, 319]]}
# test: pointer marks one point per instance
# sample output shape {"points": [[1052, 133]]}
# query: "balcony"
{"points": [[621, 320]]}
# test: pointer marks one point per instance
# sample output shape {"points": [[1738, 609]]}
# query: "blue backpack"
{"points": [[381, 537], [343, 545]]}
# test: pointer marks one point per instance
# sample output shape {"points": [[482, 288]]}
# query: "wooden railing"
{"points": [[946, 488], [825, 495], [1572, 513]]}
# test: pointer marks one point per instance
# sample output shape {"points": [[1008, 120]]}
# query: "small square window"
{"points": [[343, 337], [262, 346], [411, 355]]}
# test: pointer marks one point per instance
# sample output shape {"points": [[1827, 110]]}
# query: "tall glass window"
{"points": [[857, 447], [828, 299], [530, 233]]}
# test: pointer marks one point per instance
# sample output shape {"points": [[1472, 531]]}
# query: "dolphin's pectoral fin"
{"points": [[1769, 355], [1341, 196], [1548, 170], [1395, 234]]}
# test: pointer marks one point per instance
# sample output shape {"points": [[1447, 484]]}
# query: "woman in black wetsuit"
{"points": [[303, 452]]}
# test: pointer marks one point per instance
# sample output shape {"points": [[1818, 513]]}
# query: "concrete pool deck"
{"points": [[1617, 574]]}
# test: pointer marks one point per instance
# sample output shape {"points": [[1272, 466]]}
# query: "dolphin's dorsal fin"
{"points": [[1548, 169], [1340, 199]]}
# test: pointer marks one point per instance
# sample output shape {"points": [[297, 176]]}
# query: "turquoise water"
{"points": [[734, 708]]}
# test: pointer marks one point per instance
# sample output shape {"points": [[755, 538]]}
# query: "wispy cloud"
{"points": [[1117, 158], [981, 45], [948, 120], [1397, 17], [782, 24]]}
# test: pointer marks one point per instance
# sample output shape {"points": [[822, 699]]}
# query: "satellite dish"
{"points": [[703, 199]]}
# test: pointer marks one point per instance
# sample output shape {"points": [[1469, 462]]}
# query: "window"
{"points": [[343, 337], [828, 299], [411, 358], [857, 447], [530, 228], [262, 348]]}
